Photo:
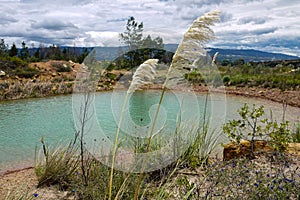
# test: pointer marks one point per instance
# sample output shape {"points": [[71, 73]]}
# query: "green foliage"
{"points": [[111, 66], [57, 165], [185, 182], [283, 76], [156, 43], [82, 56], [202, 146], [111, 76], [136, 57], [18, 61], [13, 50], [97, 185], [3, 48], [296, 134], [60, 67], [194, 77], [226, 79], [247, 126], [280, 135], [24, 52], [226, 63], [133, 34], [251, 126], [133, 37], [139, 49], [238, 62], [25, 72], [55, 52]]}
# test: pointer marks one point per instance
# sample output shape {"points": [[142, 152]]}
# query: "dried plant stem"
{"points": [[84, 111], [204, 114], [148, 144], [144, 74], [115, 148]]}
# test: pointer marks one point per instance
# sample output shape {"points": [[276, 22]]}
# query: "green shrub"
{"points": [[296, 134], [57, 165], [60, 67], [280, 135], [111, 66], [247, 127], [194, 77], [111, 76], [25, 72], [254, 74], [226, 79], [252, 126], [18, 61]]}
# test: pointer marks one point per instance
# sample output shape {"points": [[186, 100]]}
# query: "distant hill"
{"points": [[247, 54], [250, 55]]}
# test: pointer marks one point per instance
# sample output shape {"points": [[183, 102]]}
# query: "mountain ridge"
{"points": [[248, 55]]}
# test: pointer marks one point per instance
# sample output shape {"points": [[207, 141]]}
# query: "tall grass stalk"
{"points": [[198, 33], [115, 148], [148, 146], [144, 74]]}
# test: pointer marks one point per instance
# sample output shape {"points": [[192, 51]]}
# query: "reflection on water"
{"points": [[24, 122]]}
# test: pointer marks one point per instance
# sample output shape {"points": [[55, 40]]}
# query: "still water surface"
{"points": [[24, 122]]}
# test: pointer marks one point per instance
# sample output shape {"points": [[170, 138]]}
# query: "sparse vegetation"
{"points": [[251, 126], [61, 67], [283, 75], [296, 134], [194, 175]]}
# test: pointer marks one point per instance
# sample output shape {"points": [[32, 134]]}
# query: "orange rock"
{"points": [[294, 148], [233, 150]]}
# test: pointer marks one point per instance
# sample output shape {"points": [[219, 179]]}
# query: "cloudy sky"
{"points": [[269, 25]]}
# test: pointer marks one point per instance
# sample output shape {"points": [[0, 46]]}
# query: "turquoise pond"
{"points": [[24, 122]]}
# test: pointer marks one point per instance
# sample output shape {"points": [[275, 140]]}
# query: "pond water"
{"points": [[24, 122]]}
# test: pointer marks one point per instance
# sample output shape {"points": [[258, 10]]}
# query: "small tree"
{"points": [[133, 34], [13, 50], [251, 126], [3, 48], [81, 57], [156, 43], [24, 53], [247, 126], [55, 52]]}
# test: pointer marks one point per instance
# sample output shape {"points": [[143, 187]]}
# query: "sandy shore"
{"points": [[291, 97], [17, 181], [24, 182]]}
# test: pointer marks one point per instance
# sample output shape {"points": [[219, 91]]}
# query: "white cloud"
{"points": [[271, 25]]}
